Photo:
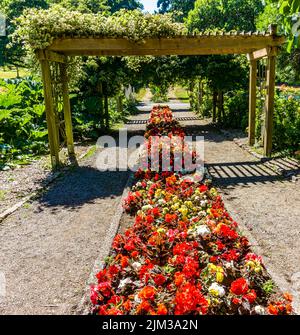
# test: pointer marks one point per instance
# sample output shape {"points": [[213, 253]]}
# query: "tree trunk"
{"points": [[106, 111], [18, 73], [101, 106], [120, 104], [220, 107], [215, 99]]}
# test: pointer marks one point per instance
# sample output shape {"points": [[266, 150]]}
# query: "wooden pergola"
{"points": [[255, 45]]}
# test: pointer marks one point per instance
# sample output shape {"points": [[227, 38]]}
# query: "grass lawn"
{"points": [[181, 94], [10, 74], [141, 94]]}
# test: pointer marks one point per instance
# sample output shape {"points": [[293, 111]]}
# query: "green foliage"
{"points": [[159, 93], [286, 134], [290, 11], [181, 7], [236, 109], [22, 125], [38, 28], [84, 6], [268, 287], [224, 14], [14, 54], [270, 15], [116, 5]]}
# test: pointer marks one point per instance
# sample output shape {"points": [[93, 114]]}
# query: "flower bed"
{"points": [[184, 253]]}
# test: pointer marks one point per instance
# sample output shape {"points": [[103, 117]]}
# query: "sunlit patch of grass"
{"points": [[141, 94], [11, 74], [181, 93]]}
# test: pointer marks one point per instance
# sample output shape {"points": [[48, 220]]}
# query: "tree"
{"points": [[93, 6], [223, 73], [288, 61], [12, 9], [224, 14], [290, 11], [182, 6], [116, 5]]}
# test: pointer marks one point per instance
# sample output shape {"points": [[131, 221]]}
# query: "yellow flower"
{"points": [[213, 191], [188, 204], [183, 210], [219, 277]]}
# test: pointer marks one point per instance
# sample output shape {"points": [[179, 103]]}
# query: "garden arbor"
{"points": [[254, 45]]}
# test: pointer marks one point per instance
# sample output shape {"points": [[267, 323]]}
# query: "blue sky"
{"points": [[149, 5]]}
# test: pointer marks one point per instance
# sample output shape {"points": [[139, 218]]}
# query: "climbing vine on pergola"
{"points": [[55, 36]]}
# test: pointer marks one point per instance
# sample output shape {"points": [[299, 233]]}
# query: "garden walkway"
{"points": [[48, 247]]}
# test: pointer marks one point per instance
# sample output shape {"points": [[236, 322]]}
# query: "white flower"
{"points": [[259, 310], [124, 282], [203, 231], [145, 208], [228, 265], [203, 203], [216, 290], [137, 299], [136, 266], [161, 201]]}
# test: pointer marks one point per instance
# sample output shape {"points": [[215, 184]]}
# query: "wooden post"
{"points": [[269, 109], [252, 101], [50, 116], [67, 110]]}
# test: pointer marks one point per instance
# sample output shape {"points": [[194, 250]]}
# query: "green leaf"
{"points": [[4, 114]]}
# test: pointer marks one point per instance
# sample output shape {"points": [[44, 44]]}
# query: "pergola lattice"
{"points": [[255, 45]]}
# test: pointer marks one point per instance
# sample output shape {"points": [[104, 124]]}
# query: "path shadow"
{"points": [[86, 184], [242, 173], [83, 185]]}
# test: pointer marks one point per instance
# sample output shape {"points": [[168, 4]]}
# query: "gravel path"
{"points": [[21, 181], [49, 247]]}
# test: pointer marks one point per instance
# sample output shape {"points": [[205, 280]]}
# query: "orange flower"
{"points": [[147, 293], [179, 278], [162, 310], [124, 261], [272, 310], [144, 306], [288, 297], [134, 254], [127, 305]]}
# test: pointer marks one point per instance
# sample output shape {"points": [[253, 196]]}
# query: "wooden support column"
{"points": [[252, 101], [67, 110], [269, 108], [50, 116]]}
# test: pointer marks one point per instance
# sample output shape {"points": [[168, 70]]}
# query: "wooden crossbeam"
{"points": [[194, 45], [51, 56], [263, 53]]}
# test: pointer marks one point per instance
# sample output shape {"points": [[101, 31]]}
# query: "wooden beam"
{"points": [[50, 116], [194, 45], [67, 110], [269, 108], [262, 53], [252, 102], [50, 56]]}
